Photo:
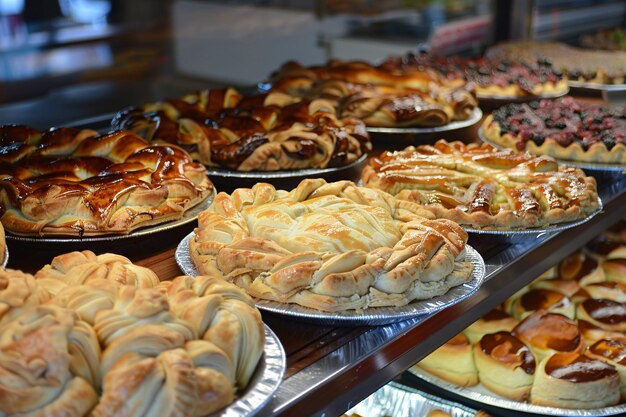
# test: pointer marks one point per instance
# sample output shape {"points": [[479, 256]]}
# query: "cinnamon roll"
{"points": [[604, 313], [612, 351], [453, 362], [494, 321], [538, 299]]}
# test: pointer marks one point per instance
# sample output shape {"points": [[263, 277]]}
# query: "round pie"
{"points": [[329, 246], [492, 78], [582, 65], [564, 128], [77, 183], [482, 187], [381, 97], [220, 128]]}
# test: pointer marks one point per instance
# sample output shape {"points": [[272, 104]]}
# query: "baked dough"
{"points": [[453, 361], [267, 132], [96, 336], [76, 183], [482, 187], [329, 246], [564, 128], [382, 97]]}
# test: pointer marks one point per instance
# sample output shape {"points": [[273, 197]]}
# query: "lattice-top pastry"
{"points": [[329, 246], [482, 187], [222, 129], [98, 336], [381, 97], [75, 182]]}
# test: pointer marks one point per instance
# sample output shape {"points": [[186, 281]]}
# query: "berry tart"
{"points": [[564, 128]]}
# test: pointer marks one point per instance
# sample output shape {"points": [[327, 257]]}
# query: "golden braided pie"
{"points": [[381, 97], [77, 183], [482, 187], [222, 129], [329, 246], [97, 336]]}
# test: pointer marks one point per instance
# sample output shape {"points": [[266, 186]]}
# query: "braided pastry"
{"points": [[48, 364], [71, 182], [329, 246], [110, 336], [478, 185], [263, 133], [380, 96]]}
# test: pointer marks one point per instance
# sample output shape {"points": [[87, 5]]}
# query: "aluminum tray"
{"points": [[228, 180], [537, 230], [596, 86], [5, 260], [482, 395], [265, 380], [477, 114], [591, 166], [500, 100], [189, 216], [398, 400], [370, 316]]}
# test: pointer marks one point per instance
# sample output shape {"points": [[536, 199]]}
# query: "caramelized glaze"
{"points": [[577, 266], [548, 330], [605, 311], [539, 298], [504, 347], [613, 349], [578, 368]]}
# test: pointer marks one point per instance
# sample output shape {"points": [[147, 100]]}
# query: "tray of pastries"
{"points": [[585, 134], [77, 185], [485, 189], [397, 400], [333, 253], [556, 347], [493, 79], [388, 100], [97, 335], [590, 69]]}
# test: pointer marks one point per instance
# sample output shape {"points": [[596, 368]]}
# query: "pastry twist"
{"points": [[330, 246], [49, 364]]}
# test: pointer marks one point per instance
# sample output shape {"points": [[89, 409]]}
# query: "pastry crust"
{"points": [[577, 148], [453, 361], [381, 96], [110, 335], [329, 246], [479, 186], [269, 132], [76, 183]]}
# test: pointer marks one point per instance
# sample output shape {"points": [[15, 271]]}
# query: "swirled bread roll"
{"points": [[329, 246], [49, 364], [18, 291]]}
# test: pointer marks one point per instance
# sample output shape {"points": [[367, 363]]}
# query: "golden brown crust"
{"points": [[597, 153], [69, 182], [479, 186], [264, 133], [330, 246], [187, 344]]}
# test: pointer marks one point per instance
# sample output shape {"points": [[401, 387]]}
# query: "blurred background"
{"points": [[66, 60]]}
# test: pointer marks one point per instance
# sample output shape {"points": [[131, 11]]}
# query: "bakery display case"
{"points": [[338, 288]]}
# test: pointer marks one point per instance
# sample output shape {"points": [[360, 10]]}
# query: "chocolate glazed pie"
{"points": [[74, 182], [482, 187], [329, 246], [263, 133]]}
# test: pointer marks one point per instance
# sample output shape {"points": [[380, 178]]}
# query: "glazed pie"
{"points": [[583, 65], [329, 246], [381, 97], [77, 183], [482, 187], [491, 78], [263, 133], [564, 128]]}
